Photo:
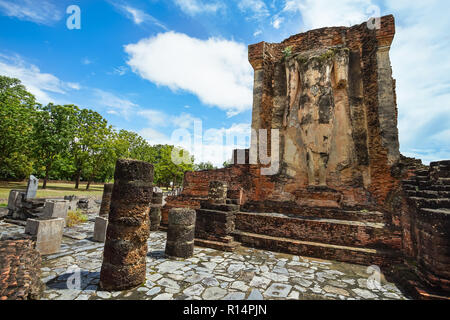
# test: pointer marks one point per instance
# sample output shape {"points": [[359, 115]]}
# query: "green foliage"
{"points": [[76, 217], [227, 164], [204, 166], [57, 142], [287, 52], [53, 133], [17, 109]]}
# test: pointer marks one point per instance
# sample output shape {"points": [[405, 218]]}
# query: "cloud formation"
{"points": [[41, 12], [215, 70], [136, 15], [40, 84], [194, 7]]}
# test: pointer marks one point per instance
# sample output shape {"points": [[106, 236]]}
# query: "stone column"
{"points": [[124, 257], [106, 199], [181, 233], [217, 192], [155, 211]]}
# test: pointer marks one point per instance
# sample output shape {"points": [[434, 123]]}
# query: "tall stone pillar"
{"points": [[155, 211], [106, 199], [124, 257], [181, 233], [218, 192]]}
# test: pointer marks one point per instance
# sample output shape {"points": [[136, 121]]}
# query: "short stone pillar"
{"points": [[56, 209], [217, 192], [32, 187], [15, 200], [155, 211], [47, 233], [124, 256], [181, 233], [100, 227], [106, 199]]}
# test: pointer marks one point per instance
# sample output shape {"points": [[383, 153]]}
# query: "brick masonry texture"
{"points": [[20, 270], [124, 262]]}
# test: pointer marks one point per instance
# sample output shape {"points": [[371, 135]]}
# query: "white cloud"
{"points": [[136, 15], [41, 12], [277, 21], [155, 117], [122, 70], [194, 7], [41, 85], [154, 136], [116, 105], [215, 70], [86, 61], [421, 66], [257, 33], [257, 7], [184, 120], [328, 13]]}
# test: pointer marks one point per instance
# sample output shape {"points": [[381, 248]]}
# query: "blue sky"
{"points": [[157, 67]]}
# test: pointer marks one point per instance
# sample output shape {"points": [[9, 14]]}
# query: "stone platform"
{"points": [[247, 273]]}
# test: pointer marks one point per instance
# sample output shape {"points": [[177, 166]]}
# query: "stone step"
{"points": [[440, 163], [331, 231], [438, 203], [438, 187], [216, 215], [422, 173], [410, 187], [330, 213], [219, 207], [348, 254], [217, 245], [429, 194]]}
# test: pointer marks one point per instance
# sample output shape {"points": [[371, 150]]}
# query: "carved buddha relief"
{"points": [[318, 109]]}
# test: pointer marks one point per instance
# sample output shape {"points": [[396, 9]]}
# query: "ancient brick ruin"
{"points": [[338, 193], [124, 263]]}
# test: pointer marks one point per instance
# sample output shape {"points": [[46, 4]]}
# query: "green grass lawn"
{"points": [[58, 190]]}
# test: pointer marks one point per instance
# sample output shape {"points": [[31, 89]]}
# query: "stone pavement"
{"points": [[210, 275]]}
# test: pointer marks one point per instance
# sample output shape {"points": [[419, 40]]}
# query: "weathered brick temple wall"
{"points": [[333, 100], [338, 193]]}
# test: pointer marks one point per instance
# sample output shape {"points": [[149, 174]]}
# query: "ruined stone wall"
{"points": [[331, 94], [426, 225]]}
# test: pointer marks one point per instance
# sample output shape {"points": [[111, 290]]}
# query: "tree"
{"points": [[204, 166], [91, 138], [53, 132], [169, 169], [17, 110]]}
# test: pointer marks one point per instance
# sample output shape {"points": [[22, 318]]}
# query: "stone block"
{"points": [[73, 202], [47, 233], [56, 209], [101, 224], [15, 199], [32, 187]]}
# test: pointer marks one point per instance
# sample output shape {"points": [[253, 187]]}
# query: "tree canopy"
{"points": [[65, 142]]}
